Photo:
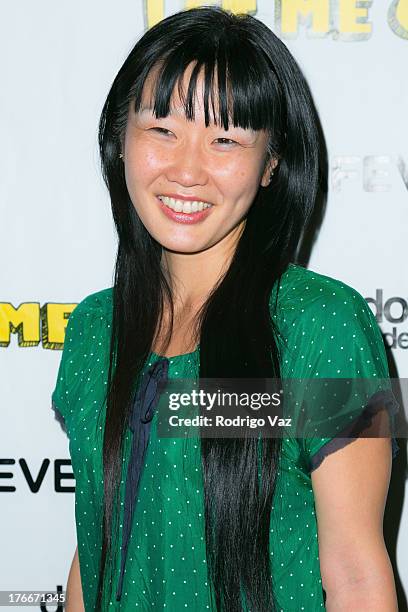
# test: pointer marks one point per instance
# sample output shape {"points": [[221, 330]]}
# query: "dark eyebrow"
{"points": [[150, 110]]}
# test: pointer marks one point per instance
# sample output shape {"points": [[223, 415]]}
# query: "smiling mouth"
{"points": [[184, 206]]}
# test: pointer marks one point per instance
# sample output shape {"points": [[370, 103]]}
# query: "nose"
{"points": [[187, 166]]}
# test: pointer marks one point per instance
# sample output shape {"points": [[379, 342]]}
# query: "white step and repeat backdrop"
{"points": [[57, 244]]}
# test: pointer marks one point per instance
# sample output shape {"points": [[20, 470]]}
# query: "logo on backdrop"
{"points": [[338, 19], [393, 310], [35, 478], [34, 324]]}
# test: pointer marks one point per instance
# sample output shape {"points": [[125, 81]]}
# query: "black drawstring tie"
{"points": [[144, 404]]}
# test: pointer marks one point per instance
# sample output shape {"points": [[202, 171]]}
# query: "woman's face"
{"points": [[175, 167]]}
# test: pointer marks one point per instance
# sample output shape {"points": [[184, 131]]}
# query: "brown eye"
{"points": [[226, 141], [161, 130]]}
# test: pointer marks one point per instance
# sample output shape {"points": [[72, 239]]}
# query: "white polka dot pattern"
{"points": [[329, 331]]}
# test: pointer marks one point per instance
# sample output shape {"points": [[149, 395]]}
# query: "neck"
{"points": [[194, 275]]}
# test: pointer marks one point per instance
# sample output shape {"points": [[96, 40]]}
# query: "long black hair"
{"points": [[259, 85]]}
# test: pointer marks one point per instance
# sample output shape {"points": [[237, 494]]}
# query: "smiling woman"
{"points": [[200, 171], [211, 152]]}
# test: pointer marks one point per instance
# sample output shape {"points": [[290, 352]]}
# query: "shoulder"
{"points": [[87, 334], [94, 307], [91, 317], [328, 325], [316, 301], [94, 304], [303, 290]]}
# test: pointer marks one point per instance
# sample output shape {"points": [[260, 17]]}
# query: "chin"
{"points": [[178, 248]]}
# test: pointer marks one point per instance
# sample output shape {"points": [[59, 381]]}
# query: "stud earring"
{"points": [[121, 155]]}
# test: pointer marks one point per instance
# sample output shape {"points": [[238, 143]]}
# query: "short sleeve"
{"points": [[61, 395], [337, 337], [80, 388]]}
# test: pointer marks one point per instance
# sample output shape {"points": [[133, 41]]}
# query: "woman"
{"points": [[211, 153]]}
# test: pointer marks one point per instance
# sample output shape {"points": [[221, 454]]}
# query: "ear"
{"points": [[270, 166]]}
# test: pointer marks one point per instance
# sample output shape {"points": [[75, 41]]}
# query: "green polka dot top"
{"points": [[330, 331]]}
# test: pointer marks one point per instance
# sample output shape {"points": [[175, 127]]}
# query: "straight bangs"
{"points": [[240, 86]]}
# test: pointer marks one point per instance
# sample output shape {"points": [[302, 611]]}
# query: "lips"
{"points": [[182, 197], [185, 217], [184, 206]]}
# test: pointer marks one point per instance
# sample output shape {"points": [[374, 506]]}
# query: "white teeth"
{"points": [[183, 206]]}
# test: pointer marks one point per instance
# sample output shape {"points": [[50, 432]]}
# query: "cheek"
{"points": [[241, 172], [142, 168], [143, 157], [240, 185], [141, 161]]}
